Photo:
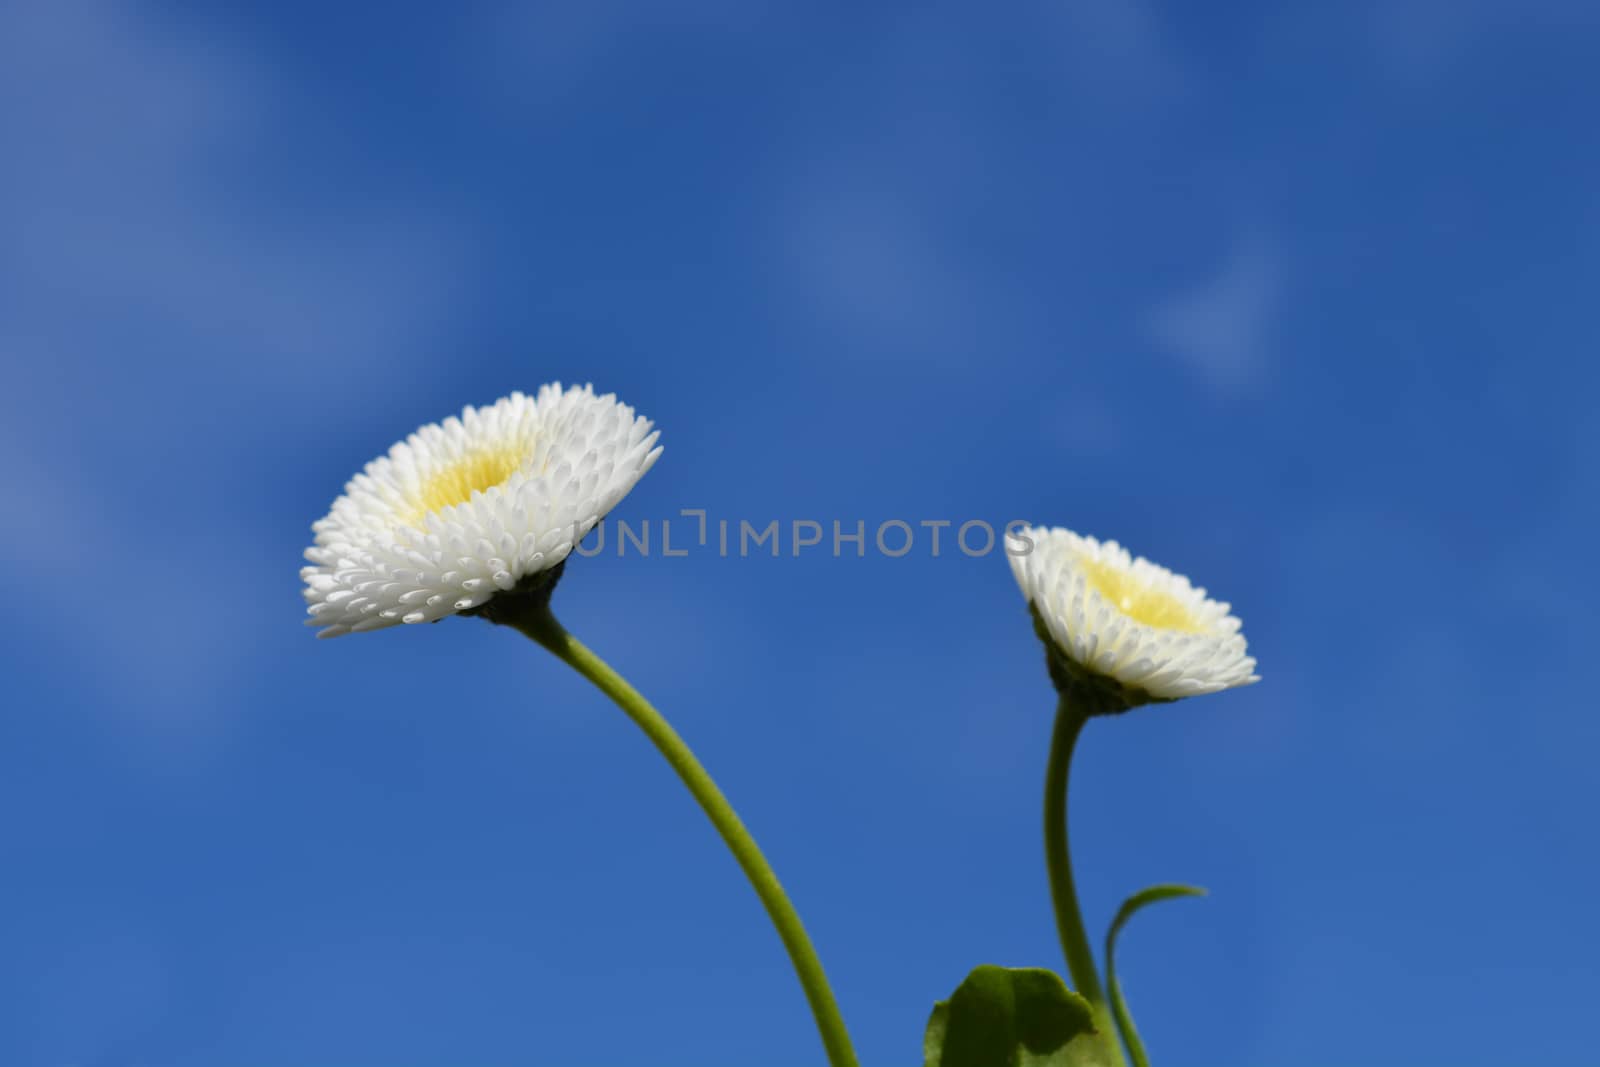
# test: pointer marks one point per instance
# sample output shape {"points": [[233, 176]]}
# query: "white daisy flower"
{"points": [[471, 507], [1121, 630]]}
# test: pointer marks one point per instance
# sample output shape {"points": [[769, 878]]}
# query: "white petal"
{"points": [[1131, 619], [470, 506]]}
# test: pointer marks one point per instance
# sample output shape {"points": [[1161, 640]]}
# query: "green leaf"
{"points": [[1119, 1008], [933, 1037], [1013, 1017]]}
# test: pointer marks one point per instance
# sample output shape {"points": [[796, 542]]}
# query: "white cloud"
{"points": [[876, 214], [142, 195], [1117, 49], [874, 265], [530, 55], [1222, 326], [160, 263], [1423, 40]]}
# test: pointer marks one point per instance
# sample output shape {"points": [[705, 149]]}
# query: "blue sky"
{"points": [[1299, 302]]}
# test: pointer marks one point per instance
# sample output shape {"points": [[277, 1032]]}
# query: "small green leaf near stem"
{"points": [[540, 625], [1119, 1007]]}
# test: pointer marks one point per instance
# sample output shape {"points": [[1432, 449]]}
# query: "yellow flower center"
{"points": [[1137, 601], [474, 472]]}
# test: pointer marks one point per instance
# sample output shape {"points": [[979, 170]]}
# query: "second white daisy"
{"points": [[471, 507], [1123, 628]]}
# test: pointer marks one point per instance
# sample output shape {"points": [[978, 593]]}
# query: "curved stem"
{"points": [[1119, 1004], [544, 628], [1125, 1027], [1063, 893]]}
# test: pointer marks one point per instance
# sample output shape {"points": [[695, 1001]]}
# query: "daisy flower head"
{"points": [[488, 502], [1121, 631]]}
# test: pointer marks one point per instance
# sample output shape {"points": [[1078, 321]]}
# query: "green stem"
{"points": [[1125, 1024], [544, 628], [1063, 894]]}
